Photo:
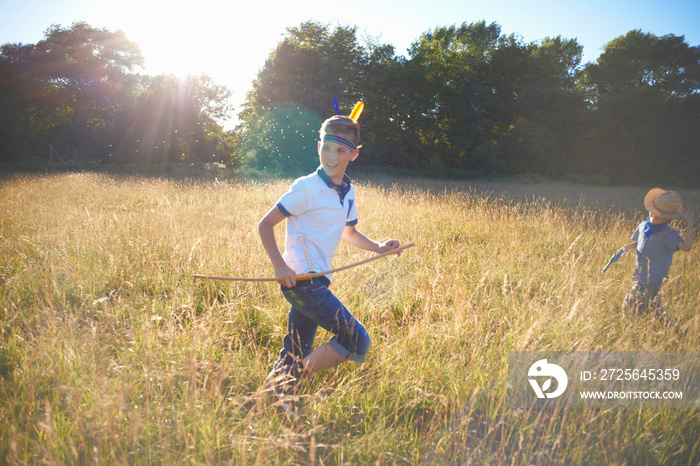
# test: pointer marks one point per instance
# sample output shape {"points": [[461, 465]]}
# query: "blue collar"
{"points": [[649, 228], [341, 189]]}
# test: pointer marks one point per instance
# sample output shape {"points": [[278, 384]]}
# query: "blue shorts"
{"points": [[643, 298], [313, 306]]}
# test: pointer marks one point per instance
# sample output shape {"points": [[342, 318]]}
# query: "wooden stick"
{"points": [[305, 276]]}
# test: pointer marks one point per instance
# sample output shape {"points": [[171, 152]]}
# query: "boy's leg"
{"points": [[289, 367], [646, 298], [296, 345], [322, 358], [350, 341], [657, 307], [637, 300]]}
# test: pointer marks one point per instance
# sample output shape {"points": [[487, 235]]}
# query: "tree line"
{"points": [[469, 100], [466, 101], [77, 90]]}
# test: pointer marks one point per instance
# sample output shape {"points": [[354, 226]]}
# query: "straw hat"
{"points": [[663, 203]]}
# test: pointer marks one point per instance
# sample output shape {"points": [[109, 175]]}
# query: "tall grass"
{"points": [[111, 353]]}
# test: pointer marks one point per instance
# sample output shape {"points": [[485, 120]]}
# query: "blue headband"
{"points": [[328, 137]]}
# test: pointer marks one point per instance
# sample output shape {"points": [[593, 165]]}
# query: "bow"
{"points": [[306, 276]]}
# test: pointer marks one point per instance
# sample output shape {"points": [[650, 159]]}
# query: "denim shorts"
{"points": [[313, 306], [643, 298]]}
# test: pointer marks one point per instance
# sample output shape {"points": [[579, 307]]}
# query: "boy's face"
{"points": [[335, 158], [656, 220]]}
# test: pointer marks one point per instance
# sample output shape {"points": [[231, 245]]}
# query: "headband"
{"points": [[343, 141]]}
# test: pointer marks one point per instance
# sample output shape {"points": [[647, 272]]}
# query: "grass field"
{"points": [[111, 353]]}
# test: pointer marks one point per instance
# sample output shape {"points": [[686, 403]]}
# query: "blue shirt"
{"points": [[654, 252]]}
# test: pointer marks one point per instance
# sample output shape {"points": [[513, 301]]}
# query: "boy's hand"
{"points": [[687, 216], [687, 243], [628, 247], [285, 275], [388, 246]]}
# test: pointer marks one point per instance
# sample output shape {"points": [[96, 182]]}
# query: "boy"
{"points": [[320, 209], [656, 242]]}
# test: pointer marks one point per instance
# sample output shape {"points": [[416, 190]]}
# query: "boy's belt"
{"points": [[310, 281]]}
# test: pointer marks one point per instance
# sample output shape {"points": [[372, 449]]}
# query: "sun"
{"points": [[174, 37], [222, 39]]}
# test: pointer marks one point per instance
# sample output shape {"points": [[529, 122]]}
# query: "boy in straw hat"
{"points": [[656, 242]]}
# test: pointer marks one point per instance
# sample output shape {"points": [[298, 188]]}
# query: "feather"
{"points": [[336, 104], [357, 111]]}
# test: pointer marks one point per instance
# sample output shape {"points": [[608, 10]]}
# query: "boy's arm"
{"points": [[628, 247], [357, 239], [687, 243], [266, 229]]}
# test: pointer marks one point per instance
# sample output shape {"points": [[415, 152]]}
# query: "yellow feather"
{"points": [[356, 111]]}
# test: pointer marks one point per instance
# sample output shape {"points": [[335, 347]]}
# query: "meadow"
{"points": [[111, 353]]}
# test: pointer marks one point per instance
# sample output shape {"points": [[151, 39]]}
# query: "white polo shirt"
{"points": [[317, 211]]}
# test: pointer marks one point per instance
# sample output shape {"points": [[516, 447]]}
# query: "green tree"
{"points": [[341, 50], [77, 90], [543, 127], [294, 89], [173, 120], [391, 91], [644, 90], [636, 60], [66, 87], [469, 99], [455, 121]]}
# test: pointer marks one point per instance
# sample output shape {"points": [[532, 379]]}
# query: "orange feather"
{"points": [[356, 111]]}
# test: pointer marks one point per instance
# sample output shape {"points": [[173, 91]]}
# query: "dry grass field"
{"points": [[111, 353]]}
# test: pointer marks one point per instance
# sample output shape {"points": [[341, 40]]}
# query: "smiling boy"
{"points": [[320, 210], [656, 242]]}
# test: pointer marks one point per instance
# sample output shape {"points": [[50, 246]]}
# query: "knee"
{"points": [[354, 346], [363, 343]]}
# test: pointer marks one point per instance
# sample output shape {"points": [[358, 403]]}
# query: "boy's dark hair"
{"points": [[341, 125]]}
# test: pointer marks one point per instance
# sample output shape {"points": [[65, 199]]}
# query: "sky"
{"points": [[231, 42]]}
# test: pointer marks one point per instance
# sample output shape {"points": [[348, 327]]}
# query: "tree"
{"points": [[391, 92], [76, 90], [172, 120], [636, 60], [67, 86], [643, 89], [339, 47], [543, 114], [296, 86]]}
